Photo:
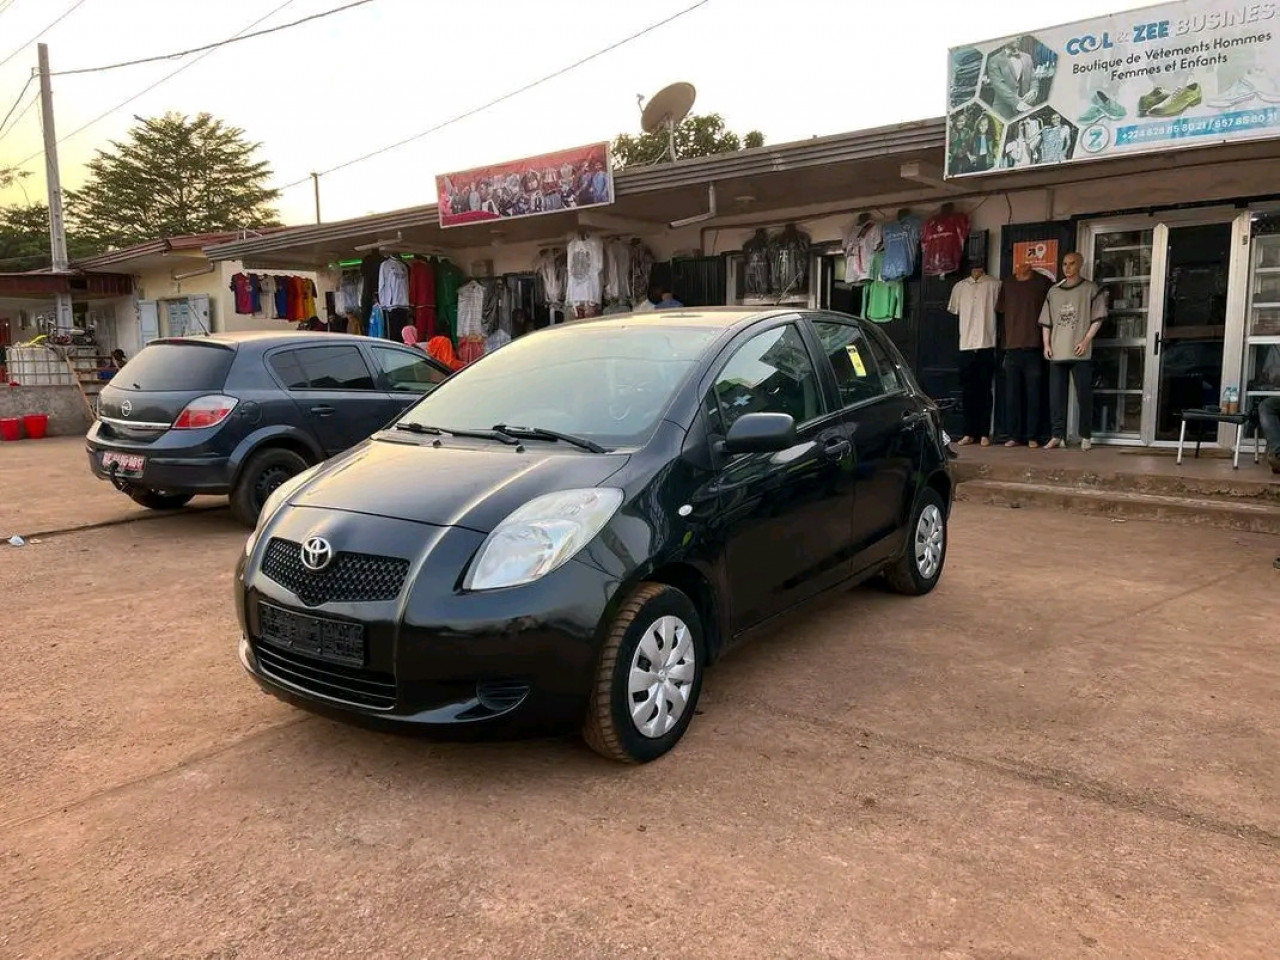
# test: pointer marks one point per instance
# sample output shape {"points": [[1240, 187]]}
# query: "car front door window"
{"points": [[771, 373]]}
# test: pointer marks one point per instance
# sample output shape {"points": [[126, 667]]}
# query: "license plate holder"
{"points": [[131, 464], [337, 641]]}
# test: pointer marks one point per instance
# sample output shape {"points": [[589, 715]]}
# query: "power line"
{"points": [[506, 96], [66, 13], [149, 88], [213, 46], [18, 119], [6, 4], [17, 101]]}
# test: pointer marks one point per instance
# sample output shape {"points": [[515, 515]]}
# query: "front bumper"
{"points": [[508, 662], [168, 467]]}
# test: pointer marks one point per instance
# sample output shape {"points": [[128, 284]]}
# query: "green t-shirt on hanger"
{"points": [[449, 279]]}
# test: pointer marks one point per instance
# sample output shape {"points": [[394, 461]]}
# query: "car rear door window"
{"points": [[852, 360], [771, 373], [162, 367], [891, 375], [322, 368], [407, 372]]}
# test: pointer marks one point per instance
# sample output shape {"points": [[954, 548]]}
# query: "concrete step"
{"points": [[1257, 516], [1249, 485]]}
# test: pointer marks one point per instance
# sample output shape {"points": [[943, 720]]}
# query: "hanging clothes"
{"points": [[448, 280], [422, 297], [239, 286], [882, 299], [789, 262], [548, 274], [641, 270], [901, 247], [393, 283], [617, 272], [586, 271], [397, 319], [377, 322], [471, 335], [267, 286], [370, 268], [282, 297], [308, 297], [756, 253], [860, 246], [350, 289], [942, 240]]}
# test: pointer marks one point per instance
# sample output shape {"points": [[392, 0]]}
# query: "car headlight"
{"points": [[275, 501], [540, 536]]}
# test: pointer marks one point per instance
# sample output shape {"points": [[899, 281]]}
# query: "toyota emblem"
{"points": [[316, 553], [126, 408]]}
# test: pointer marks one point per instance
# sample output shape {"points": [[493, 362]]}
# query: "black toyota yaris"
{"points": [[570, 530]]}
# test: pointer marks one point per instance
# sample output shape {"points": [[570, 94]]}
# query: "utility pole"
{"points": [[57, 229], [315, 179]]}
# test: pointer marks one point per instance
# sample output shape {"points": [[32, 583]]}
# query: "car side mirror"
{"points": [[760, 433]]}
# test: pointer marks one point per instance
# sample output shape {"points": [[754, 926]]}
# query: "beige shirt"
{"points": [[1069, 312], [974, 302]]}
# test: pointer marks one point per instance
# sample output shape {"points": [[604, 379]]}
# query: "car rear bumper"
{"points": [[168, 468]]}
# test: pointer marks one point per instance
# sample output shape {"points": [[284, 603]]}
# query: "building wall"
{"points": [[64, 407], [158, 284]]}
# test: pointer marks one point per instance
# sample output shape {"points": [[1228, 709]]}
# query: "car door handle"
{"points": [[836, 449], [322, 411]]}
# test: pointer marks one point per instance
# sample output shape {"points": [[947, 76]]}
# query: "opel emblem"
{"points": [[316, 554], [126, 408]]}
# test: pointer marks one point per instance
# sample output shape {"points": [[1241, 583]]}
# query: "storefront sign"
{"points": [[1039, 255], [551, 183], [1176, 75]]}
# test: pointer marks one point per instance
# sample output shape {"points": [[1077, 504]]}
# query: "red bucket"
{"points": [[36, 425], [10, 428]]}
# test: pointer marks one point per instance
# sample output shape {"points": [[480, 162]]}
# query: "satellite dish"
{"points": [[667, 108]]}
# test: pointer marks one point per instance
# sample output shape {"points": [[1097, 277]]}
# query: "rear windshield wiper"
{"points": [[476, 434], [541, 433]]}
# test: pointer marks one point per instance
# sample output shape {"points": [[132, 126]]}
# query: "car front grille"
{"points": [[366, 688], [349, 577]]}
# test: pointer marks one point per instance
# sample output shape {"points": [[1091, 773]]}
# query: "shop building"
{"points": [[1181, 241]]}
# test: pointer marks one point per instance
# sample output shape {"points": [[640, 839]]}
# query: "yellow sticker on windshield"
{"points": [[856, 359]]}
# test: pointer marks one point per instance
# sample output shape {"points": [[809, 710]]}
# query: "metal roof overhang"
{"points": [[882, 168], [81, 286]]}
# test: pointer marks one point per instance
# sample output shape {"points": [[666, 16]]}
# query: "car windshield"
{"points": [[607, 382]]}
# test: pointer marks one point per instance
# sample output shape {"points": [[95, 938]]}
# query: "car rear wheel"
{"points": [[156, 500], [920, 566], [265, 471], [649, 678]]}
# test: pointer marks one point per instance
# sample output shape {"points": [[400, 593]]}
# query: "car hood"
{"points": [[462, 483]]}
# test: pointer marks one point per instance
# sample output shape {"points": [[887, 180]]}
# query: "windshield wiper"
{"points": [[498, 435], [541, 433]]}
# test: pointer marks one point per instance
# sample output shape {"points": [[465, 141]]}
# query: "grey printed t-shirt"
{"points": [[1068, 312]]}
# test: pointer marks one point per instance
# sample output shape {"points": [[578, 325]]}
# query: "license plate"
{"points": [[123, 462], [318, 637]]}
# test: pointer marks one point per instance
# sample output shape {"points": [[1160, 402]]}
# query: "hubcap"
{"points": [[661, 676], [930, 540]]}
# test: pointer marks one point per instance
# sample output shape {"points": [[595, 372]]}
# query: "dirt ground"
{"points": [[1070, 749]]}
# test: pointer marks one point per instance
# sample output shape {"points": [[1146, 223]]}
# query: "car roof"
{"points": [[720, 317], [265, 339]]}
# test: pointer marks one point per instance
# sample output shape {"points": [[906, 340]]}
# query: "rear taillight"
{"points": [[205, 412]]}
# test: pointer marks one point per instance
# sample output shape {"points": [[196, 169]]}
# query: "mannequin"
{"points": [[1021, 299], [1072, 315], [973, 300]]}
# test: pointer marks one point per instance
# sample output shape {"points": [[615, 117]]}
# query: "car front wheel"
{"points": [[649, 678], [917, 571]]}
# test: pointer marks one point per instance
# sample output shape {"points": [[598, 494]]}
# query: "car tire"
{"points": [[263, 472], [155, 500], [666, 623], [917, 571]]}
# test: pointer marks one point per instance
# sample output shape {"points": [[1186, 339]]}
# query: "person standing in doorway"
{"points": [[973, 300], [1073, 313], [1019, 304]]}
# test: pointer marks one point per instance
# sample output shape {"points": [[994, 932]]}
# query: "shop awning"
{"points": [[81, 286]]}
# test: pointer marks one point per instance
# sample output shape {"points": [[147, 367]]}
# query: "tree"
{"points": [[698, 135], [24, 239], [173, 175]]}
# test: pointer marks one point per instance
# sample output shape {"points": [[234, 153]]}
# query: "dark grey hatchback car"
{"points": [[239, 414]]}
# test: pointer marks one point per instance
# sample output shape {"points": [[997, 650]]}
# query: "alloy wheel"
{"points": [[930, 539], [661, 677]]}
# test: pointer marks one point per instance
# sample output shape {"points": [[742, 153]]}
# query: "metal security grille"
{"points": [[349, 578]]}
